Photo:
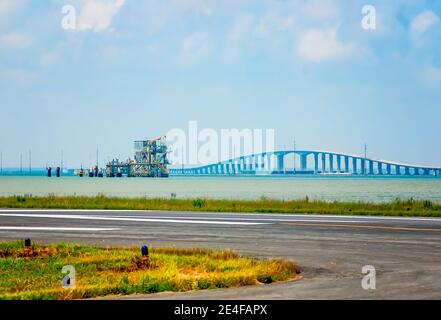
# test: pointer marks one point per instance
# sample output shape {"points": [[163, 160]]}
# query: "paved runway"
{"points": [[330, 250]]}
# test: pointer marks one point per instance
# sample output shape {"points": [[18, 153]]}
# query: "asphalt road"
{"points": [[330, 250]]}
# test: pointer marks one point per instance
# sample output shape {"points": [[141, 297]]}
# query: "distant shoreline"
{"points": [[403, 208]]}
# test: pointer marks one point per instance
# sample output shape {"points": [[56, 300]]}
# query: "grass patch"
{"points": [[411, 207], [112, 271]]}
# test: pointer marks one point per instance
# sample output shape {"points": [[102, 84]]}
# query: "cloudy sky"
{"points": [[132, 69]]}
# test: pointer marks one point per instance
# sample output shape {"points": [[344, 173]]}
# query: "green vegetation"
{"points": [[411, 207], [111, 271]]}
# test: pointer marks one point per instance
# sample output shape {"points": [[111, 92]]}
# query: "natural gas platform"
{"points": [[150, 160]]}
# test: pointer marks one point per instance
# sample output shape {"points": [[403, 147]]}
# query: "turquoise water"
{"points": [[329, 189]]}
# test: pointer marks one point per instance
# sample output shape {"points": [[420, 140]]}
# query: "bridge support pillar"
{"points": [[371, 167], [380, 168], [398, 170], [346, 164], [269, 163], [339, 163], [280, 162], [407, 171], [323, 162], [262, 161], [389, 168], [316, 163], [331, 162], [354, 166], [303, 161]]}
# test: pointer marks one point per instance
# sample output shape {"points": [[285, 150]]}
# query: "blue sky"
{"points": [[134, 69]]}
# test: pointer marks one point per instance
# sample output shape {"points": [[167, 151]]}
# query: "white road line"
{"points": [[83, 217], [210, 220], [263, 220], [354, 217], [57, 229]]}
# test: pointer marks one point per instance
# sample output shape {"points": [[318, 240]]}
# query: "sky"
{"points": [[132, 69]]}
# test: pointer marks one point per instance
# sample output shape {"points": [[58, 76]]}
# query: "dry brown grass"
{"points": [[110, 271]]}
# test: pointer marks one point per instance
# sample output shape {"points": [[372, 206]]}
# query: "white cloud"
{"points": [[239, 31], [321, 10], [194, 48], [318, 45], [241, 27], [8, 7], [15, 40], [266, 32], [203, 6], [271, 24], [156, 15], [422, 22], [97, 14]]}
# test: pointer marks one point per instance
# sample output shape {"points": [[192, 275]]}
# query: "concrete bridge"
{"points": [[310, 162]]}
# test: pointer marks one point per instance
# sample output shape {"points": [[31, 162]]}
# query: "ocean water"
{"points": [[324, 188]]}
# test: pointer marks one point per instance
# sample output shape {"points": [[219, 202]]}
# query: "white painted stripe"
{"points": [[320, 216], [263, 215], [263, 220], [242, 221], [84, 217], [289, 215], [57, 229]]}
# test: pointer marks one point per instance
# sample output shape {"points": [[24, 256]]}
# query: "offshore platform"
{"points": [[150, 160]]}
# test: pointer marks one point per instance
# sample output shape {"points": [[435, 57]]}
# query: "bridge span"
{"points": [[310, 162]]}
